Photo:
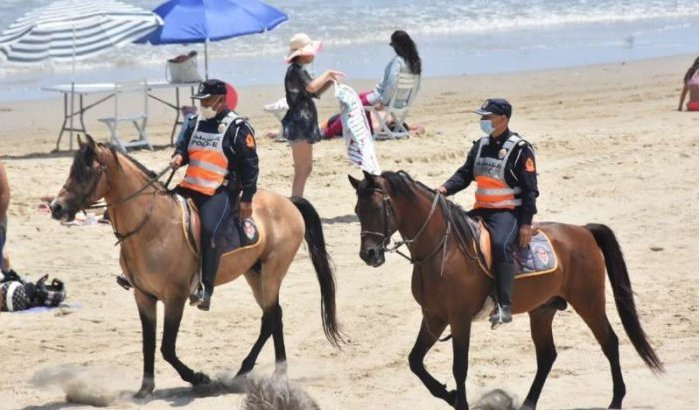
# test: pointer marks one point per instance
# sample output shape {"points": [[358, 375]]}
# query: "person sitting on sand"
{"points": [[691, 85]]}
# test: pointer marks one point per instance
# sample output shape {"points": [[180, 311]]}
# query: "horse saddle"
{"points": [[538, 258], [247, 231]]}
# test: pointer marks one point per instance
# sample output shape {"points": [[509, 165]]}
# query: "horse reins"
{"points": [[388, 208], [121, 237]]}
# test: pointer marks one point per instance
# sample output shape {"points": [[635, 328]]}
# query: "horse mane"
{"points": [[402, 183], [85, 155], [149, 173]]}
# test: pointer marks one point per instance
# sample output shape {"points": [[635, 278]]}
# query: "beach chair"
{"points": [[125, 112], [392, 117]]}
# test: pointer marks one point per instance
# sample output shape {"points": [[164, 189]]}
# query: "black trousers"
{"points": [[219, 232], [503, 227]]}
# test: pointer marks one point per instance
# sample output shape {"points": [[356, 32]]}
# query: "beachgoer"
{"points": [[4, 204], [300, 124], [406, 60], [691, 85]]}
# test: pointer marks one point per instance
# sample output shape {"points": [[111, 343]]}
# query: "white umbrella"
{"points": [[70, 30]]}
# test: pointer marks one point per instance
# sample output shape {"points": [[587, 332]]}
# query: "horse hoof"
{"points": [[528, 406], [451, 397], [200, 379], [147, 387]]}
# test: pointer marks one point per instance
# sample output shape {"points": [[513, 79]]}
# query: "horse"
{"points": [[161, 265], [450, 284]]}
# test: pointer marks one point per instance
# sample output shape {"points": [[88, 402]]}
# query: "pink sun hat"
{"points": [[302, 45]]}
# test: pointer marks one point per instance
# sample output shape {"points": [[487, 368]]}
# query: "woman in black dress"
{"points": [[300, 124]]}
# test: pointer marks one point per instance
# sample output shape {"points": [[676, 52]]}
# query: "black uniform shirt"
{"points": [[240, 148], [520, 172]]}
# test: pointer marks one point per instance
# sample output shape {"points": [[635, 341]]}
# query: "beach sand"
{"points": [[611, 149]]}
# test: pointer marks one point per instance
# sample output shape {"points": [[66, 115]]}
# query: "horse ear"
{"points": [[369, 177], [353, 181], [81, 144], [90, 141]]}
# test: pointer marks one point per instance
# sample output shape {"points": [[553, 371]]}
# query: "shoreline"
{"points": [[44, 127]]}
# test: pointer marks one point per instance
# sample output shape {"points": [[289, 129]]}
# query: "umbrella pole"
{"points": [[206, 59], [72, 96]]}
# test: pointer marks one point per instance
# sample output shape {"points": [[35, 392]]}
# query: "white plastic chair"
{"points": [[124, 111], [397, 109]]}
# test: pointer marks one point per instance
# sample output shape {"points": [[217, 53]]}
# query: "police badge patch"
{"points": [[250, 230], [502, 153]]}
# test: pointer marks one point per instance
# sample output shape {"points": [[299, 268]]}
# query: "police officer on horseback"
{"points": [[220, 150], [503, 165]]}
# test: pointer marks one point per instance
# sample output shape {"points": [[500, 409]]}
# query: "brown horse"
{"points": [[158, 260], [451, 287]]}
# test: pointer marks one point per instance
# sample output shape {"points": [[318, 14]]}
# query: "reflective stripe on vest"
{"points": [[208, 164], [492, 189]]}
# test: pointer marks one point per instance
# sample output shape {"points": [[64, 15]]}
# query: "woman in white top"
{"points": [[406, 60]]}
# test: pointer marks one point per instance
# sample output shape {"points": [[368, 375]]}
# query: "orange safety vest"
{"points": [[492, 190], [208, 164]]}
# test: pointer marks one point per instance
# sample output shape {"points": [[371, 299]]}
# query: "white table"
{"points": [[81, 90]]}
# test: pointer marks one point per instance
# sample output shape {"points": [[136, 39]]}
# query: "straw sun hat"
{"points": [[302, 45]]}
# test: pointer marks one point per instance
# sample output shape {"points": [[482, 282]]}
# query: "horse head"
{"points": [[86, 183], [377, 217]]}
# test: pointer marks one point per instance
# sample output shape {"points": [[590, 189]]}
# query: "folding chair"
{"points": [[397, 109], [124, 112]]}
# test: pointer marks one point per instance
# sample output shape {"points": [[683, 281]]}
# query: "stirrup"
{"points": [[197, 297], [502, 315]]}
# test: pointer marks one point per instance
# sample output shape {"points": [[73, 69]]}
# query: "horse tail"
{"points": [[324, 272], [623, 294]]}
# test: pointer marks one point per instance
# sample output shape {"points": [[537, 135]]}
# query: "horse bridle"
{"points": [[386, 239], [121, 237]]}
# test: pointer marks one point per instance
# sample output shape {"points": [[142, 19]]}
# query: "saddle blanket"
{"points": [[538, 258]]}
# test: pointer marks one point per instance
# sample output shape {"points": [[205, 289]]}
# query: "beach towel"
{"points": [[355, 130]]}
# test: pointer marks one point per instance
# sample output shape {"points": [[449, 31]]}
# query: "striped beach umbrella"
{"points": [[70, 30]]}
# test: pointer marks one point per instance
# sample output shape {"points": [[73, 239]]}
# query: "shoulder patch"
{"points": [[522, 143], [250, 141], [529, 165]]}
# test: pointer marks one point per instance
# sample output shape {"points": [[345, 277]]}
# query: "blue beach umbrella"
{"points": [[201, 21]]}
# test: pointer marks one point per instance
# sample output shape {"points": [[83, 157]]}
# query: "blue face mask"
{"points": [[487, 126]]}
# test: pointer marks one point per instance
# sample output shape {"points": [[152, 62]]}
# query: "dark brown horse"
{"points": [[451, 287], [160, 263]]}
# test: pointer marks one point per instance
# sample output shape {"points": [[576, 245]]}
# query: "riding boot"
{"points": [[504, 282], [202, 297]]}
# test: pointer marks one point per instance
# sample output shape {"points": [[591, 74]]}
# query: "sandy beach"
{"points": [[611, 148]]}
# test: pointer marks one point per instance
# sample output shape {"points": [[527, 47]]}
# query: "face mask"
{"points": [[208, 112], [487, 126]]}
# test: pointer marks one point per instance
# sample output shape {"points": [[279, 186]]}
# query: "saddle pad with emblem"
{"points": [[538, 258]]}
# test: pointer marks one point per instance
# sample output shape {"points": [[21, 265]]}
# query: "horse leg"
{"points": [[426, 338], [594, 315], [279, 348], [461, 337], [173, 317], [148, 313], [269, 322], [540, 321]]}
